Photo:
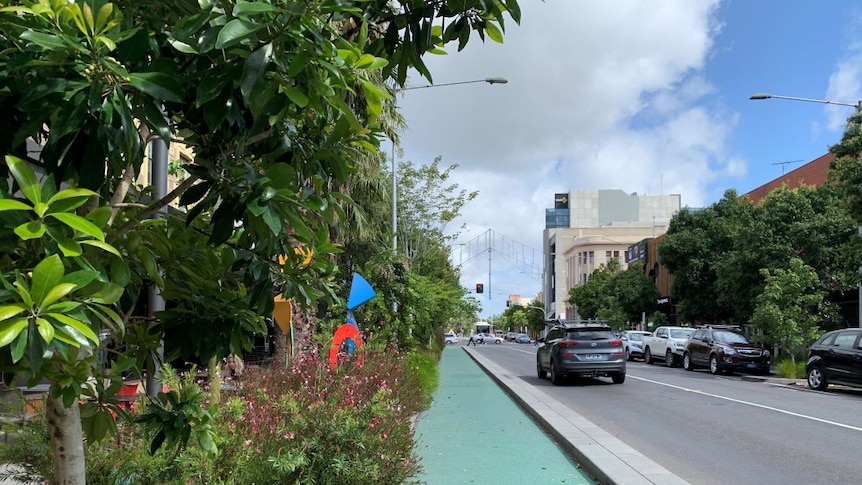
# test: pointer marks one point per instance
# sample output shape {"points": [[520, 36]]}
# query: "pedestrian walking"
{"points": [[471, 341]]}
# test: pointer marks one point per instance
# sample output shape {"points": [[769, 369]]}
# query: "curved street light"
{"points": [[758, 96], [858, 106], [489, 80]]}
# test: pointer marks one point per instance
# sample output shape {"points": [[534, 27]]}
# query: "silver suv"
{"points": [[589, 350]]}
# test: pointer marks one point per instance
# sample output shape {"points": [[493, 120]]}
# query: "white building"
{"points": [[588, 228]]}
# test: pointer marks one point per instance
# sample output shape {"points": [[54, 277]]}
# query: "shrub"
{"points": [[309, 424], [303, 423]]}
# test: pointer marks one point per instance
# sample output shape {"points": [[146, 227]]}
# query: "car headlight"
{"points": [[766, 353], [730, 351]]}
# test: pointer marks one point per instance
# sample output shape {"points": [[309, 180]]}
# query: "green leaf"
{"points": [[80, 278], [79, 224], [494, 32], [10, 329], [56, 293], [235, 32], [158, 85], [101, 245], [109, 294], [30, 230], [254, 71], [69, 247], [298, 97], [270, 217], [25, 177], [46, 275], [244, 9], [46, 330], [76, 324], [45, 41], [13, 205], [19, 345], [9, 311]]}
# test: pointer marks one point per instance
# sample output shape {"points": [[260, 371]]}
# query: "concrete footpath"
{"points": [[474, 433], [465, 389]]}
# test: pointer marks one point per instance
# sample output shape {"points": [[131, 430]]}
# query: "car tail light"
{"points": [[567, 343], [616, 342]]}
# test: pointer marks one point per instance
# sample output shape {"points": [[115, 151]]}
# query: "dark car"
{"points": [[835, 358], [725, 349], [522, 338], [589, 350]]}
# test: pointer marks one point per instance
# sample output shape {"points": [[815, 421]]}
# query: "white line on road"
{"points": [[770, 408]]}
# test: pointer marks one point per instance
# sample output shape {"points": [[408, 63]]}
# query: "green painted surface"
{"points": [[474, 433]]}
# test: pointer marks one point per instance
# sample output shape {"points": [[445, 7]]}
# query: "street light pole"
{"points": [[489, 80], [858, 106]]}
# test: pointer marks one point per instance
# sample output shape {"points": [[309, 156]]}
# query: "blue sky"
{"points": [[647, 96]]}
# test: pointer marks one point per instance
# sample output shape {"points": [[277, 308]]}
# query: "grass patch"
{"points": [[790, 370], [425, 364]]}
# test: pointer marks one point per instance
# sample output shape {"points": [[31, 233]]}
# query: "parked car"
{"points": [[725, 349], [484, 338], [450, 338], [633, 343], [522, 338], [835, 358], [511, 336], [581, 350], [666, 343]]}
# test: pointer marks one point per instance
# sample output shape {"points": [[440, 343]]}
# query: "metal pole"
{"points": [[394, 203], [155, 301]]}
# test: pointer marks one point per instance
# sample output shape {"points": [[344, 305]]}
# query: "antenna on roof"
{"points": [[785, 164]]}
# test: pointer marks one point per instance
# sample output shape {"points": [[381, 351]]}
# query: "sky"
{"points": [[646, 96]]}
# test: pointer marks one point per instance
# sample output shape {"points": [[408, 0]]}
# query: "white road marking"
{"points": [[739, 401]]}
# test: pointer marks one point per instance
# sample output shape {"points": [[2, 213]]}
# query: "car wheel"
{"points": [[628, 354], [816, 379], [619, 377], [555, 378], [647, 356], [714, 368], [498, 341], [669, 359], [539, 371], [686, 362]]}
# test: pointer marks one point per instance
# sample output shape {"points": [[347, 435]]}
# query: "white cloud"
{"points": [[600, 96]]}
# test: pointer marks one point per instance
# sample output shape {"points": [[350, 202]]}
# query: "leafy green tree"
{"points": [[696, 243], [634, 291], [787, 309], [590, 297], [277, 101]]}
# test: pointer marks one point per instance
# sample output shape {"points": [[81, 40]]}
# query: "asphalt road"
{"points": [[715, 429]]}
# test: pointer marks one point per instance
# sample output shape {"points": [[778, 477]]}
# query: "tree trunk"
{"points": [[67, 441]]}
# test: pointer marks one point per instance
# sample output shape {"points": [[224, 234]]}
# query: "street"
{"points": [[714, 429]]}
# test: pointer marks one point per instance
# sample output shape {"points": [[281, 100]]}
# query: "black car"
{"points": [[835, 358], [725, 349], [590, 350]]}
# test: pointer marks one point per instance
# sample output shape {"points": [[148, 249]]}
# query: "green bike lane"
{"points": [[475, 433]]}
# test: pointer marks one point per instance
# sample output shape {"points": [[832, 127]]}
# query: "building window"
{"points": [[608, 255], [592, 257]]}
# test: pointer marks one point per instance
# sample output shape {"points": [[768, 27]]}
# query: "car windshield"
{"points": [[728, 337], [583, 334], [681, 332], [637, 337]]}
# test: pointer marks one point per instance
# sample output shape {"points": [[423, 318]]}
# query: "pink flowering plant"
{"points": [[307, 422]]}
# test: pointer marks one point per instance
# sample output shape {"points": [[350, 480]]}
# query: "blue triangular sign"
{"points": [[360, 292]]}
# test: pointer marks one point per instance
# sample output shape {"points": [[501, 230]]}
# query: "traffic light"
{"points": [[480, 288]]}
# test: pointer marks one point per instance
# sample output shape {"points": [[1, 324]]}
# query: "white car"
{"points": [[450, 338], [484, 338]]}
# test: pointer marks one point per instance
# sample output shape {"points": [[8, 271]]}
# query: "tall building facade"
{"points": [[589, 228]]}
